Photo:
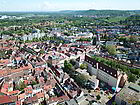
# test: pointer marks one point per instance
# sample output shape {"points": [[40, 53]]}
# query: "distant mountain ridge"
{"points": [[102, 12], [90, 12]]}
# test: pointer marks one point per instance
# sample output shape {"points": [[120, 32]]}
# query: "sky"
{"points": [[57, 5]]}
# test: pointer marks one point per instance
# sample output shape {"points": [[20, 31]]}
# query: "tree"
{"points": [[73, 62], [111, 49], [114, 103], [131, 78], [83, 66], [94, 41], [21, 86], [137, 103], [98, 97], [139, 83], [133, 39], [80, 79], [89, 91], [33, 83], [68, 67]]}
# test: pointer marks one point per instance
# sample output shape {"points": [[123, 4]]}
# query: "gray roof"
{"points": [[134, 87], [71, 102], [130, 93]]}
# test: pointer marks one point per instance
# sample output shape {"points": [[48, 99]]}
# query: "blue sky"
{"points": [[56, 5]]}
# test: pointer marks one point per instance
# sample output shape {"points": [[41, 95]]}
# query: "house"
{"points": [[105, 73], [128, 95], [112, 43], [47, 87], [8, 100], [70, 102], [21, 97], [135, 55], [84, 35], [56, 100], [31, 101], [37, 88], [40, 97], [13, 92], [28, 92]]}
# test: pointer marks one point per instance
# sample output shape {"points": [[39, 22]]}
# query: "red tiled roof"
{"points": [[40, 68], [10, 71], [13, 92], [7, 99], [40, 95], [21, 96], [31, 100], [28, 90], [60, 99], [25, 82], [18, 103]]}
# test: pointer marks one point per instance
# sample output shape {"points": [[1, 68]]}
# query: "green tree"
{"points": [[73, 62], [98, 97], [33, 83], [111, 50], [68, 67], [21, 86], [133, 39], [132, 78], [114, 103], [139, 83], [80, 79], [137, 103], [83, 66]]}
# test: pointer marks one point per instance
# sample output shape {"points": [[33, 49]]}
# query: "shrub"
{"points": [[98, 97]]}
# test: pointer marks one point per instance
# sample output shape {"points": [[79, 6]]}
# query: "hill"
{"points": [[103, 13], [133, 20]]}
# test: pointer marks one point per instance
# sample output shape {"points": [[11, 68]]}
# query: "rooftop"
{"points": [[7, 99], [130, 93]]}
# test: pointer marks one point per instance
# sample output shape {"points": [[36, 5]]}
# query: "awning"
{"points": [[113, 88]]}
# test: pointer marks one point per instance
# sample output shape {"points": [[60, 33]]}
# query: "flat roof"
{"points": [[134, 87], [129, 93]]}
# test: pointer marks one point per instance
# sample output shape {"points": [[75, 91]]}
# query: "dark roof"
{"points": [[108, 70], [101, 66], [78, 59], [91, 61], [68, 54]]}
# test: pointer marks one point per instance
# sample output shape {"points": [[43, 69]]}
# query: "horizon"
{"points": [[67, 10], [61, 5]]}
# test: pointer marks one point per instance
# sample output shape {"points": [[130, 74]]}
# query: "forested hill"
{"points": [[133, 20], [102, 12], [98, 13]]}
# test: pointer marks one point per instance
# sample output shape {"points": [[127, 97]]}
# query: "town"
{"points": [[69, 59]]}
